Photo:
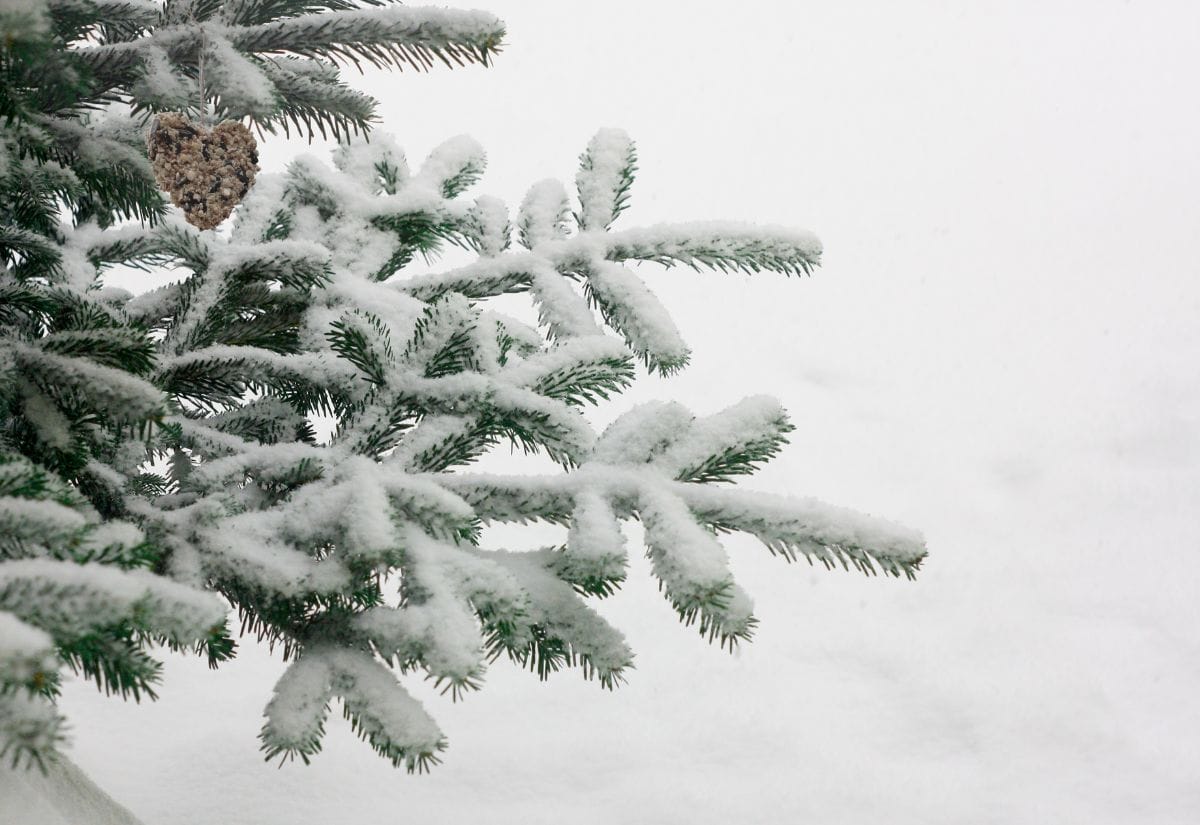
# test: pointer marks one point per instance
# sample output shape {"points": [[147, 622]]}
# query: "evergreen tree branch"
{"points": [[383, 36], [728, 247]]}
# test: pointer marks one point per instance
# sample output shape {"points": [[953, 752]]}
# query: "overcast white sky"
{"points": [[1001, 349]]}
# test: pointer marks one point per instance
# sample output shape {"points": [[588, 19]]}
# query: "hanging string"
{"points": [[205, 116], [203, 91]]}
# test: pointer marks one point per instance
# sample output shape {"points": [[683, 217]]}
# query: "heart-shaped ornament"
{"points": [[206, 172]]}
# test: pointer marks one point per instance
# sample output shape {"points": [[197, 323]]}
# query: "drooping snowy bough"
{"points": [[358, 551], [74, 592]]}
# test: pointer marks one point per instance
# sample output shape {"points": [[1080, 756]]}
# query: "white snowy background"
{"points": [[1001, 349]]}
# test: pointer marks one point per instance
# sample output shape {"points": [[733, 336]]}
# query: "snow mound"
{"points": [[61, 796]]}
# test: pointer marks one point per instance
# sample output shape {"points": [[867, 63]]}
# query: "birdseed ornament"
{"points": [[206, 172]]}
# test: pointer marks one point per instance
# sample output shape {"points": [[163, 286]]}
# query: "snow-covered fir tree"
{"points": [[81, 584], [310, 407]]}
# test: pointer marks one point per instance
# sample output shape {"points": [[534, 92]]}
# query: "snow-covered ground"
{"points": [[1001, 349], [59, 795]]}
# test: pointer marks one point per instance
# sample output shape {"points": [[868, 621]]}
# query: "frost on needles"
{"points": [[358, 552]]}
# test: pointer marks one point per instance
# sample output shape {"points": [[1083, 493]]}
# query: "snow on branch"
{"points": [[518, 499], [347, 508], [298, 709], [732, 442], [562, 630], [594, 559], [577, 370], [806, 527], [383, 713], [246, 550], [166, 244], [693, 569], [264, 462], [141, 13], [27, 524], [729, 247], [31, 728], [439, 442], [561, 310], [312, 97], [452, 166], [215, 377], [274, 63], [543, 213], [435, 629], [487, 227], [606, 170], [69, 600], [240, 84], [630, 308], [536, 422], [443, 514], [296, 264], [160, 84], [25, 651], [641, 434], [380, 165], [111, 391], [385, 36], [481, 279]]}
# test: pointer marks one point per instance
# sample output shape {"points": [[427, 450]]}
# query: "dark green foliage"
{"points": [[116, 661]]}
